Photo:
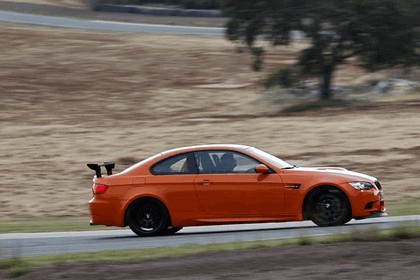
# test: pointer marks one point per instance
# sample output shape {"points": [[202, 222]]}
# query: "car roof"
{"points": [[168, 153], [207, 147]]}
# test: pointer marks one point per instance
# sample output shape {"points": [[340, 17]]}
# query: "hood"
{"points": [[341, 172]]}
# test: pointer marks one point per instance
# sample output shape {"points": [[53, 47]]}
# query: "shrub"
{"points": [[282, 77]]}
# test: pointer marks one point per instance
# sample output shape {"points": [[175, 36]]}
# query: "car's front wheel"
{"points": [[328, 207], [147, 218]]}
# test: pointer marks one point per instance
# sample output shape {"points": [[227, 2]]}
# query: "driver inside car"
{"points": [[228, 163]]}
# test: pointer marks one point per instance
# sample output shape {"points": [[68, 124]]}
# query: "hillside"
{"points": [[70, 97]]}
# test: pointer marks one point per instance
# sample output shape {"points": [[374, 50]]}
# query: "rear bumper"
{"points": [[107, 213]]}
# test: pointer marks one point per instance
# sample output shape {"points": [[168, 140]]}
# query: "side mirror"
{"points": [[261, 169]]}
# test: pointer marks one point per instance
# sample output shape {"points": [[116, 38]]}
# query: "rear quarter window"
{"points": [[173, 165]]}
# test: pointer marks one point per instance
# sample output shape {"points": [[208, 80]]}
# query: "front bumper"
{"points": [[375, 214]]}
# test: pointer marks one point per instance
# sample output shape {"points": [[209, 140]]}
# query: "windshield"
{"points": [[270, 158]]}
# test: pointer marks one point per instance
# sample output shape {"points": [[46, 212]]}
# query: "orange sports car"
{"points": [[227, 184]]}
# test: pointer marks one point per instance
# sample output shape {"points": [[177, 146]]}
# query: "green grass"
{"points": [[411, 207], [16, 266], [20, 265], [47, 225]]}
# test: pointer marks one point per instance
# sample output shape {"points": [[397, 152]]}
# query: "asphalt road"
{"points": [[32, 19], [114, 26], [34, 244]]}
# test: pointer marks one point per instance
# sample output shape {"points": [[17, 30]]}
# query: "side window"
{"points": [[174, 165], [224, 162], [244, 164], [205, 162]]}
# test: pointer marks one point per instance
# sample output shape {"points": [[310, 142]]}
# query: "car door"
{"points": [[173, 180], [225, 190]]}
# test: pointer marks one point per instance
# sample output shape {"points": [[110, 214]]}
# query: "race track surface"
{"points": [[33, 244]]}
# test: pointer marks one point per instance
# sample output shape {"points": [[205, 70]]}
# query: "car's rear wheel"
{"points": [[328, 207], [147, 218]]}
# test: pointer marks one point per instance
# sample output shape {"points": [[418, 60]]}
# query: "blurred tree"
{"points": [[381, 33]]}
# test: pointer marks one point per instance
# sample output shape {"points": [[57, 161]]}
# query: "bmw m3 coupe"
{"points": [[227, 184]]}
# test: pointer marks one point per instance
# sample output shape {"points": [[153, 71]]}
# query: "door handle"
{"points": [[206, 182]]}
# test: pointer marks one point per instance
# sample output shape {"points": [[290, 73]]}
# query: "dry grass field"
{"points": [[71, 97]]}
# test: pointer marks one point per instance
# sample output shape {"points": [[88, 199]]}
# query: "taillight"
{"points": [[99, 189]]}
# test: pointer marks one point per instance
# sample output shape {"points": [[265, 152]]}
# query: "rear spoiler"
{"points": [[97, 167]]}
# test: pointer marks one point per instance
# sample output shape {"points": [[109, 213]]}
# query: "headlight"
{"points": [[361, 186]]}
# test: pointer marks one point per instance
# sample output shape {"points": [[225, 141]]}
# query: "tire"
{"points": [[172, 230], [328, 207], [147, 218]]}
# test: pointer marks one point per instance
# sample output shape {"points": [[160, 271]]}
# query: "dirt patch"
{"points": [[349, 260]]}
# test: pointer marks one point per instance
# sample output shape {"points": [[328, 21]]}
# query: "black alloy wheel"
{"points": [[329, 207], [147, 218]]}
